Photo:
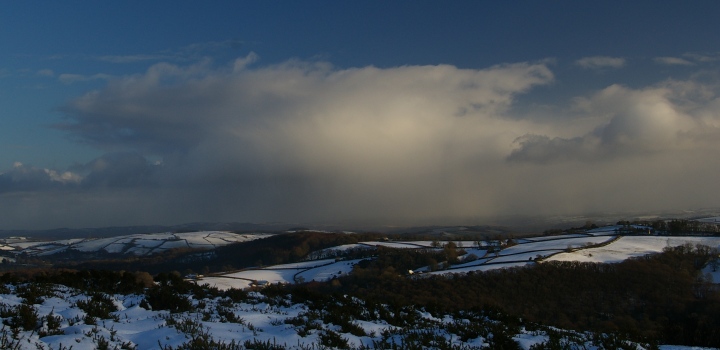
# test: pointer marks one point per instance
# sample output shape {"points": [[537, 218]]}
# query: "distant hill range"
{"points": [[492, 226], [103, 232], [245, 227]]}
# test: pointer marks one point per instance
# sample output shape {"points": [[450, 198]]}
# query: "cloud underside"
{"points": [[306, 141]]}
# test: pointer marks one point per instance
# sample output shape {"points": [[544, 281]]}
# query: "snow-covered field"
{"points": [[559, 243], [314, 270], [633, 246], [139, 244], [328, 272]]}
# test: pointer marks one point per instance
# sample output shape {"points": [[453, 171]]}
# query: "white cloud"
{"points": [[63, 177], [601, 62], [657, 119], [243, 62]]}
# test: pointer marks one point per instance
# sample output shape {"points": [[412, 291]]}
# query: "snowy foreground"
{"points": [[255, 321]]}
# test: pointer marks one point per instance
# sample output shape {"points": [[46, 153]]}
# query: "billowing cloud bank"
{"points": [[671, 117], [304, 141]]}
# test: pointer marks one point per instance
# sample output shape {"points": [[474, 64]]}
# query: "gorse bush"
{"points": [[98, 306], [25, 317], [51, 325], [166, 298], [333, 340], [35, 293]]}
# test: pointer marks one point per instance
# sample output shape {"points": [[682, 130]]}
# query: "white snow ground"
{"points": [[133, 326]]}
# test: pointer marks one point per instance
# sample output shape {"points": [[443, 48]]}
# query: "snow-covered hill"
{"points": [[138, 244]]}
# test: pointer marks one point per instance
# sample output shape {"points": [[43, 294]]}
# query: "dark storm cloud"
{"points": [[297, 115], [118, 170], [133, 112], [305, 141]]}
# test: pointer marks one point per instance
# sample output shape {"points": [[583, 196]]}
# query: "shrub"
{"points": [[166, 298], [34, 293], [99, 305], [332, 339], [25, 317], [51, 325]]}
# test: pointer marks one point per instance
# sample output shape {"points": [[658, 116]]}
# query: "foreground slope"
{"points": [[66, 318]]}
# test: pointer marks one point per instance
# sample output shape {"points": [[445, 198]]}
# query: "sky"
{"points": [[327, 112]]}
